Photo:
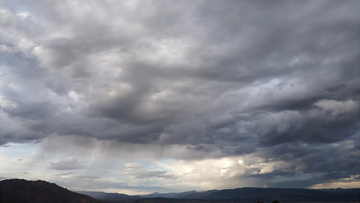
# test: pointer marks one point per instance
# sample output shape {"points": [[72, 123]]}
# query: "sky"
{"points": [[169, 96]]}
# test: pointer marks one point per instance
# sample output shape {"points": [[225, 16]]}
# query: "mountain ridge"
{"points": [[252, 194], [19, 190], [249, 194]]}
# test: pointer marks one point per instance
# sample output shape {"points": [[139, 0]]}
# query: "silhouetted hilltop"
{"points": [[23, 191]]}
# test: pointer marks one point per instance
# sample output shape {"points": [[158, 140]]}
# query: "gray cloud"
{"points": [[70, 164], [279, 80], [139, 172]]}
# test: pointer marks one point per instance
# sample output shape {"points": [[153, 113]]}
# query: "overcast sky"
{"points": [[143, 96]]}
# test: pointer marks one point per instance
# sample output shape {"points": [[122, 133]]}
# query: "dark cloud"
{"points": [[279, 79]]}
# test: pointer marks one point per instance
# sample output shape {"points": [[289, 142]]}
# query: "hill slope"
{"points": [[23, 191]]}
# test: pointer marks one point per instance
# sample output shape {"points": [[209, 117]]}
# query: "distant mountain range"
{"points": [[16, 191], [268, 195], [252, 195], [108, 196]]}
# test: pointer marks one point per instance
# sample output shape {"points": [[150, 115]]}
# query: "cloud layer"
{"points": [[188, 80]]}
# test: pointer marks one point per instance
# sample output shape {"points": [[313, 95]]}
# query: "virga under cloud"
{"points": [[262, 92]]}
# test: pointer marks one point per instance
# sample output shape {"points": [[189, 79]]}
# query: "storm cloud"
{"points": [[187, 80]]}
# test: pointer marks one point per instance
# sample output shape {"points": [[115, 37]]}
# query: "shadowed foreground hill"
{"points": [[23, 191]]}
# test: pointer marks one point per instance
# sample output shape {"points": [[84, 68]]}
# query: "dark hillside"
{"points": [[23, 191]]}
